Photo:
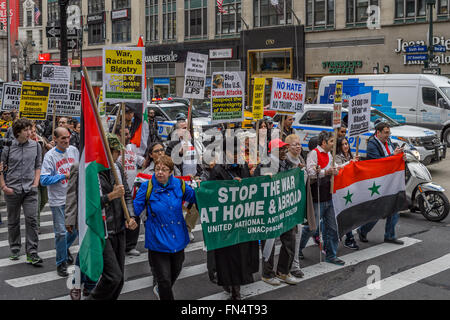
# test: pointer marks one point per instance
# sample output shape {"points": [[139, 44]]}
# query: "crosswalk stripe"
{"points": [[22, 226], [44, 213], [146, 282], [45, 236], [260, 287], [398, 281]]}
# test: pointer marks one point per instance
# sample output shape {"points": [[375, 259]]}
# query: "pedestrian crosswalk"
{"points": [[26, 282]]}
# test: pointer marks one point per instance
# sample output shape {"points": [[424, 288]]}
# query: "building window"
{"points": [[443, 7], [169, 19], [96, 33], [29, 18], [357, 10], [121, 31], [266, 14], [96, 6], [405, 9], [151, 19], [195, 19], [120, 4], [29, 36], [320, 13], [229, 22], [52, 20]]}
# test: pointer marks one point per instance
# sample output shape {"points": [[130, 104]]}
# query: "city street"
{"points": [[420, 269]]}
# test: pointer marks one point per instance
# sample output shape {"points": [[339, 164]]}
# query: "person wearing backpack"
{"points": [[166, 234], [22, 162]]}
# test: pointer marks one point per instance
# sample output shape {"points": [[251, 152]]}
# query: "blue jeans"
{"points": [[63, 239], [330, 233], [389, 232]]}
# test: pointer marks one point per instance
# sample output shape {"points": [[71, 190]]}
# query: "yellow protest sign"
{"points": [[337, 108], [123, 74], [34, 100], [258, 98], [338, 92], [101, 104]]}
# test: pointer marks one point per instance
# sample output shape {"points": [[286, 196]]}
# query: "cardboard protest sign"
{"points": [[34, 100], [337, 109], [195, 76], [258, 98], [259, 208], [123, 74], [59, 78], [67, 108], [287, 95], [359, 114], [227, 97], [11, 96]]}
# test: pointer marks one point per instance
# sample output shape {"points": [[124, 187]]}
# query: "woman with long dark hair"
{"points": [[344, 156]]}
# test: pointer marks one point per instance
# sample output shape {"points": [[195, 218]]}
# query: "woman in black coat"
{"points": [[235, 264]]}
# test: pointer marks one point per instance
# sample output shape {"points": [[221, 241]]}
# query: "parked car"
{"points": [[316, 118]]}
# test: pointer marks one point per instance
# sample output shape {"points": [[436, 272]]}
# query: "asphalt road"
{"points": [[420, 269]]}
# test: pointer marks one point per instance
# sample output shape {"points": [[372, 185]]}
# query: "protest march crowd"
{"points": [[160, 188]]}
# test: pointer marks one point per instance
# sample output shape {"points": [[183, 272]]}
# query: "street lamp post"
{"points": [[24, 48], [430, 4]]}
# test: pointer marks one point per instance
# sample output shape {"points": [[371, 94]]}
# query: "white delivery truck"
{"points": [[415, 99]]}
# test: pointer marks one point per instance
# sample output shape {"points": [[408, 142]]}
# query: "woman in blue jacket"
{"points": [[166, 234]]}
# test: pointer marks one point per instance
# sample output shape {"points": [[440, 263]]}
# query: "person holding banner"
{"points": [[278, 154], [380, 146], [343, 157], [320, 170], [235, 264], [166, 234]]}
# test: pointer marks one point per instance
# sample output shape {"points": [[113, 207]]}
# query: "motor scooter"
{"points": [[422, 194]]}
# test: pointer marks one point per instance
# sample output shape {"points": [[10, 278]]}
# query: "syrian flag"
{"points": [[367, 191], [90, 218], [140, 129]]}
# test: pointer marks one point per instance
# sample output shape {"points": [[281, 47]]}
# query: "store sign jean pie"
{"points": [[439, 57]]}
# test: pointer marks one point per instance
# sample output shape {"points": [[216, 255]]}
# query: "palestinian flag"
{"points": [[369, 190], [140, 130], [90, 219]]}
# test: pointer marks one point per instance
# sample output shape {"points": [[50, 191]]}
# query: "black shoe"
{"points": [[351, 244], [69, 257], [212, 276], [62, 270], [394, 241], [336, 261], [362, 237]]}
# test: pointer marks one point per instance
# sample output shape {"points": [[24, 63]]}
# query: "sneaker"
{"points": [[62, 270], [298, 273], [14, 256], [394, 241], [34, 259], [335, 261], [288, 278], [75, 294], [351, 245], [362, 237], [156, 292], [69, 257], [133, 252], [191, 236], [272, 281]]}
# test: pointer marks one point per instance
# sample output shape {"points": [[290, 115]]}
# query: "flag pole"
{"points": [[357, 146], [122, 132], [102, 131]]}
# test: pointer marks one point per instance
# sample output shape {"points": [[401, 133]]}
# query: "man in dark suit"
{"points": [[381, 146]]}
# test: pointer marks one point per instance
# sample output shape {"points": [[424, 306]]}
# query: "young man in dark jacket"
{"points": [[380, 146], [111, 281]]}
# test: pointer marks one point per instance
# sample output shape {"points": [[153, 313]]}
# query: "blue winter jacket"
{"points": [[165, 230]]}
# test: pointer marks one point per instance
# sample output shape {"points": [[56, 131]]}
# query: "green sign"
{"points": [[260, 208], [342, 67]]}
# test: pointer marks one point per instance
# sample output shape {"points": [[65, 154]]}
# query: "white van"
{"points": [[416, 99], [317, 118]]}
